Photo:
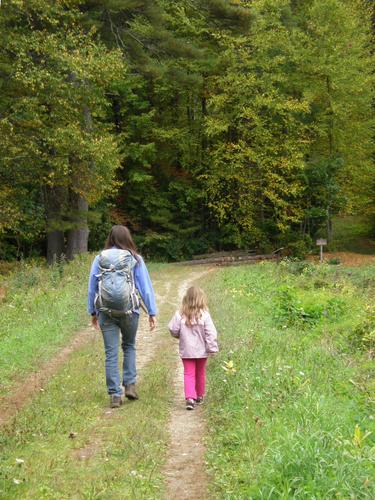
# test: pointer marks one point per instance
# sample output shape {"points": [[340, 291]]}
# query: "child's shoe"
{"points": [[190, 404], [199, 401]]}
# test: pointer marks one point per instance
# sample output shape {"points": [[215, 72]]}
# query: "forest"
{"points": [[214, 130], [201, 125]]}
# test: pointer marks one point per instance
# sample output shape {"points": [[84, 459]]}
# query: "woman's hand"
{"points": [[94, 322], [152, 321]]}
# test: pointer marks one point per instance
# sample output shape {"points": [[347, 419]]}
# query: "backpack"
{"points": [[117, 295]]}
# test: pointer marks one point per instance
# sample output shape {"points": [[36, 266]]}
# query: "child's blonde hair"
{"points": [[193, 305]]}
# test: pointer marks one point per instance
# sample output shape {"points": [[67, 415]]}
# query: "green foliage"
{"points": [[297, 266], [57, 75], [231, 124], [256, 127], [293, 416], [363, 335], [291, 310], [294, 246], [334, 261], [53, 115]]}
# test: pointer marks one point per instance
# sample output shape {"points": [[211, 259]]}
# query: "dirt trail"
{"points": [[147, 345], [185, 472], [33, 383], [184, 469], [22, 392]]}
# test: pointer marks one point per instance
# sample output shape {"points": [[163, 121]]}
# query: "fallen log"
{"points": [[230, 260], [237, 253]]}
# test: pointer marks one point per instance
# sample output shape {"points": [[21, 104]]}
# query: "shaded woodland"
{"points": [[201, 125]]}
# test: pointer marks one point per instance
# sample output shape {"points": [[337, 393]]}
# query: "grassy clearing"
{"points": [[107, 456], [70, 447], [291, 396], [43, 308]]}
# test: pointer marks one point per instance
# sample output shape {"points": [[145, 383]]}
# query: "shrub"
{"points": [[296, 266], [334, 261], [291, 311], [363, 335], [297, 247]]}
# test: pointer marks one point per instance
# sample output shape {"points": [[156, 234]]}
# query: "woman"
{"points": [[111, 322]]}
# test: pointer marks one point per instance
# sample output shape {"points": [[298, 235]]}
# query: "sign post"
{"points": [[321, 243]]}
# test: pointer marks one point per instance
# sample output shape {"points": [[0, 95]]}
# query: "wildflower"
{"points": [[229, 367]]}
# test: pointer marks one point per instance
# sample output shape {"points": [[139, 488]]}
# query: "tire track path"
{"points": [[22, 392], [185, 470], [168, 294]]}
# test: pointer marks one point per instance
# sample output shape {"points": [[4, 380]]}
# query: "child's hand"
{"points": [[212, 354]]}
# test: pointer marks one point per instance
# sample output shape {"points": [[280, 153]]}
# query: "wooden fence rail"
{"points": [[230, 260]]}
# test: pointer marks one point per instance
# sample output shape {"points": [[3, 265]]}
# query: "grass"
{"points": [[290, 403], [42, 310], [70, 448], [123, 453], [291, 395]]}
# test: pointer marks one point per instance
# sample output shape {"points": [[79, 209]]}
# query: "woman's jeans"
{"points": [[111, 328]]}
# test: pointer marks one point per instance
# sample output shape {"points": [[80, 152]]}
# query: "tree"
{"points": [[53, 115], [336, 78], [200, 125], [256, 128], [159, 119]]}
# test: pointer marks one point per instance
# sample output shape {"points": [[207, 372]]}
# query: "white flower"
{"points": [[17, 481], [19, 461]]}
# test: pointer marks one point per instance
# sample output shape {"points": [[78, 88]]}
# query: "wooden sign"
{"points": [[321, 242]]}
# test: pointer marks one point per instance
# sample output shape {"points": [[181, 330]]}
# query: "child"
{"points": [[193, 325]]}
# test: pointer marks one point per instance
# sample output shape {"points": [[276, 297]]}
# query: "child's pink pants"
{"points": [[194, 377]]}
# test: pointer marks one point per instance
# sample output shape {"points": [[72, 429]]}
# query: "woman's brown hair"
{"points": [[194, 304], [121, 237]]}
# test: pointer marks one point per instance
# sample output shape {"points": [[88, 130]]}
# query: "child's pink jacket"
{"points": [[196, 341]]}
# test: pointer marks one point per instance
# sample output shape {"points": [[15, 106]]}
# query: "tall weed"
{"points": [[290, 310], [290, 415], [363, 335]]}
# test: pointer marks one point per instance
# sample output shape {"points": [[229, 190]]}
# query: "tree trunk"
{"points": [[78, 234], [329, 226], [55, 246], [330, 119], [54, 203]]}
